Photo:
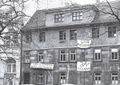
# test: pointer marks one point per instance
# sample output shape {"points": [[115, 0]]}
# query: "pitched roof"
{"points": [[37, 21]]}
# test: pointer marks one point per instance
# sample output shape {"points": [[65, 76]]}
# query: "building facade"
{"points": [[10, 59], [75, 45]]}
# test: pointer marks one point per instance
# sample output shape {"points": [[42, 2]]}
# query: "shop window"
{"points": [[58, 17], [114, 54], [73, 34], [62, 78], [95, 32], [62, 55], [72, 55], [97, 55], [40, 79], [77, 16], [114, 78], [111, 31], [42, 36], [40, 56], [62, 35], [97, 78]]}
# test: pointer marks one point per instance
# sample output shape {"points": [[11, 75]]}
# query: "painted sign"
{"points": [[84, 66], [42, 66]]}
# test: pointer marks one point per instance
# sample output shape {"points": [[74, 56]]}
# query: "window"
{"points": [[95, 32], [114, 54], [73, 34], [62, 35], [28, 36], [72, 55], [27, 57], [112, 31], [62, 55], [26, 78], [76, 16], [97, 78], [114, 78], [62, 78], [11, 67], [40, 56], [59, 17], [42, 36], [97, 55], [40, 79]]}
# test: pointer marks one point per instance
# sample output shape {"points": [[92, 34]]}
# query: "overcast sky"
{"points": [[31, 6]]}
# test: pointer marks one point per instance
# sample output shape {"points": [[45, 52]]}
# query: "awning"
{"points": [[42, 66]]}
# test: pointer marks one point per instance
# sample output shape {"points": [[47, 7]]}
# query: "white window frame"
{"points": [[97, 78], [73, 55], [114, 54], [11, 68], [77, 16], [59, 17], [62, 78], [113, 78], [97, 55], [63, 56]]}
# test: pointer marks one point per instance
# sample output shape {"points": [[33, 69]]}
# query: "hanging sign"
{"points": [[84, 66], [83, 43]]}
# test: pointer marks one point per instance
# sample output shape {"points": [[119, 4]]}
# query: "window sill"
{"points": [[97, 60], [73, 61], [62, 41], [111, 60], [10, 73], [63, 62]]}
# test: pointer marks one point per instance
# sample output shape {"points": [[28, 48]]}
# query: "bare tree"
{"points": [[111, 9], [11, 17]]}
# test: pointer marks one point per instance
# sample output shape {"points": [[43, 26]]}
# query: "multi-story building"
{"points": [[76, 45]]}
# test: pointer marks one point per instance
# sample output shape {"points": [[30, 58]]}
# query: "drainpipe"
{"points": [[21, 59]]}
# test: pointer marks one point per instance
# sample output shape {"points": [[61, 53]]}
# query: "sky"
{"points": [[31, 6]]}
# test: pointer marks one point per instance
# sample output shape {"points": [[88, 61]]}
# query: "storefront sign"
{"points": [[42, 66], [83, 43], [84, 66]]}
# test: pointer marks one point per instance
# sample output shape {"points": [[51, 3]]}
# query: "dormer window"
{"points": [[59, 17], [76, 16]]}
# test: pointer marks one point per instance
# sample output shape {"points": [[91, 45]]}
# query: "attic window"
{"points": [[77, 16], [59, 17]]}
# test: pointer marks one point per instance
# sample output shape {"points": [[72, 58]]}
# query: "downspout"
{"points": [[21, 58]]}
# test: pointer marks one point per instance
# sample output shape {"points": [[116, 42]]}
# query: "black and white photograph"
{"points": [[59, 42]]}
